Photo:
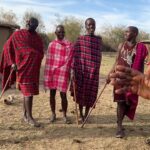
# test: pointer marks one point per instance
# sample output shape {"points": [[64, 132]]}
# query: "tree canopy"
{"points": [[111, 35], [28, 14]]}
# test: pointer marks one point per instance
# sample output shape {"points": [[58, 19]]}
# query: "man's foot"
{"points": [[53, 118], [66, 120], [24, 118], [120, 134], [81, 119], [33, 123]]}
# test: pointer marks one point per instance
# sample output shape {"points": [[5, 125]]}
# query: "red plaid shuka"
{"points": [[58, 63], [138, 64], [86, 65], [25, 49]]}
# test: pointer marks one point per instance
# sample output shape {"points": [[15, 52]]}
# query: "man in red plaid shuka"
{"points": [[130, 54], [57, 70], [24, 52], [86, 65]]}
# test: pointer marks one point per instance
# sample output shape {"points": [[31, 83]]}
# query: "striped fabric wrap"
{"points": [[86, 65], [25, 49], [138, 64], [58, 65]]}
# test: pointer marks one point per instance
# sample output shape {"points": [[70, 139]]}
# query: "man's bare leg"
{"points": [[81, 112], [64, 104], [87, 108], [28, 111], [121, 108], [53, 104], [24, 111]]}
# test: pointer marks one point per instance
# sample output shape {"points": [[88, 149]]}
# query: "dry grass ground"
{"points": [[98, 133]]}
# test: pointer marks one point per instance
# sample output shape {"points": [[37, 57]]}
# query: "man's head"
{"points": [[60, 32], [90, 26], [32, 24], [131, 33]]}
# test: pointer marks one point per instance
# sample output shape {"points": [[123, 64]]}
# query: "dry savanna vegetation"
{"points": [[98, 133]]}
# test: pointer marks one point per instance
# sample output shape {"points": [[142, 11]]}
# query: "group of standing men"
{"points": [[23, 53]]}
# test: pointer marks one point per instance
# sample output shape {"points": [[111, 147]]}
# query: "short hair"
{"points": [[59, 26], [33, 18], [134, 29], [89, 19]]}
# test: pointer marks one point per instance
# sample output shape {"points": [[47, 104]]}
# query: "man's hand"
{"points": [[14, 67], [131, 80]]}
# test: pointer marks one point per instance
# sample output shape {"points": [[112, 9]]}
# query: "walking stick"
{"points": [[6, 83], [74, 91], [93, 105]]}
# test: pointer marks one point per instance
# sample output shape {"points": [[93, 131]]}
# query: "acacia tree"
{"points": [[40, 29], [8, 16], [51, 36], [28, 14], [112, 36], [143, 36], [45, 39], [73, 28]]}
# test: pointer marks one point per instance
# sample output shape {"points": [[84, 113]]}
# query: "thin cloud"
{"points": [[40, 3], [122, 13]]}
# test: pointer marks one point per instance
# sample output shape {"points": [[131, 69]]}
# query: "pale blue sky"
{"points": [[105, 12]]}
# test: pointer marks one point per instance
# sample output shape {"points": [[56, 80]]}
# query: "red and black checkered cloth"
{"points": [[86, 65], [138, 64], [25, 49], [58, 65]]}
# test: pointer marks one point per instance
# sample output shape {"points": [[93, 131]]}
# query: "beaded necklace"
{"points": [[127, 53]]}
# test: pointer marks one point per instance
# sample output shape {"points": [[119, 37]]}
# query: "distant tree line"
{"points": [[111, 35]]}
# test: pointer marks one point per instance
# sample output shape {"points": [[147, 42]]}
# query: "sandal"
{"points": [[33, 123], [66, 120], [120, 134], [53, 119], [30, 122]]}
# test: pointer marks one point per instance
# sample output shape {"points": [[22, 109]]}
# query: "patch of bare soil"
{"points": [[98, 133]]}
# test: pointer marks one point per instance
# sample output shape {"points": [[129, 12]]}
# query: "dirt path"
{"points": [[98, 133]]}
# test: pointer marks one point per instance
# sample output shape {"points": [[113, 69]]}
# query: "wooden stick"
{"points": [[74, 91], [6, 83], [93, 106]]}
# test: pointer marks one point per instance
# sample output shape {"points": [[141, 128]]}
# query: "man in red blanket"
{"points": [[23, 52], [57, 70], [130, 54], [86, 65]]}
